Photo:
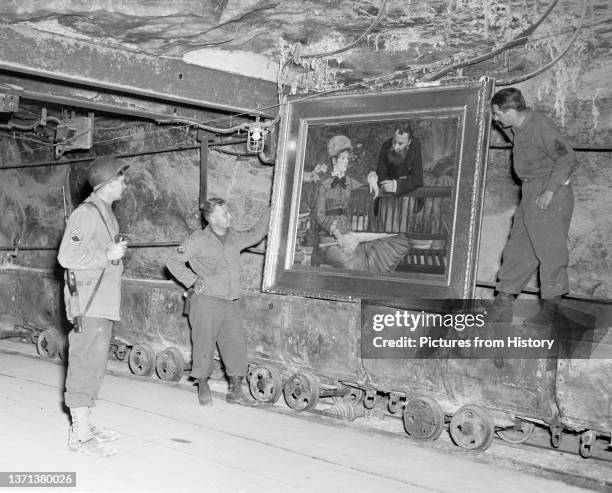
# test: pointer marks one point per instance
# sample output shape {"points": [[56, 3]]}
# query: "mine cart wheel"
{"points": [[369, 401], [48, 343], [519, 433], [170, 365], [395, 403], [266, 383], [423, 418], [587, 440], [142, 360], [471, 428], [302, 391], [556, 432], [355, 396]]}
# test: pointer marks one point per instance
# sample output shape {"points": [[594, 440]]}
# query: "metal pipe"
{"points": [[131, 246], [226, 143], [131, 154], [261, 251], [577, 148], [203, 141], [47, 163]]}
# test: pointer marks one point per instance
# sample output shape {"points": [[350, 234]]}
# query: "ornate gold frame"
{"points": [[471, 103]]}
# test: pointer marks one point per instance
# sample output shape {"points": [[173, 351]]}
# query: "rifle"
{"points": [[69, 277]]}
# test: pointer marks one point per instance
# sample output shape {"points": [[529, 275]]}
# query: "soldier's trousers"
{"points": [[218, 322], [538, 239], [87, 357]]}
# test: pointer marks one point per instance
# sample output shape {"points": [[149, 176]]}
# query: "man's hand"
{"points": [[199, 286], [115, 251], [543, 200], [347, 242], [373, 182], [389, 185]]}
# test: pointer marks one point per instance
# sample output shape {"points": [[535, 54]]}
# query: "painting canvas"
{"points": [[378, 195]]}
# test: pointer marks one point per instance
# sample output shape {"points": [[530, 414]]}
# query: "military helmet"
{"points": [[104, 169], [337, 144]]}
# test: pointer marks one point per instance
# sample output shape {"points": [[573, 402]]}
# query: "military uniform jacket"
{"points": [[83, 250], [540, 151], [217, 263]]}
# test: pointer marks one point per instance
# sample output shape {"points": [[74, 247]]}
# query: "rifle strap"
{"points": [[97, 286], [112, 238], [93, 293]]}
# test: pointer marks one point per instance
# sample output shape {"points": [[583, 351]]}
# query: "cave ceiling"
{"points": [[411, 40]]}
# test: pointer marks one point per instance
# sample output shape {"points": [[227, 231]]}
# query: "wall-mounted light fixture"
{"points": [[257, 137]]}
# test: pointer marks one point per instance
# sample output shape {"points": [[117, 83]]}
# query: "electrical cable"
{"points": [[399, 73], [236, 153], [216, 130], [99, 141], [350, 45], [521, 38], [370, 80], [29, 138], [120, 127], [297, 51], [55, 144], [39, 122], [525, 77]]}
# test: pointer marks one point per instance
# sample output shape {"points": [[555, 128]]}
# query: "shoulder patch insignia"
{"points": [[181, 248], [560, 148], [76, 236]]}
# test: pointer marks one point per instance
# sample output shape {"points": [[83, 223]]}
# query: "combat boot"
{"points": [[204, 395], [81, 438], [546, 316], [102, 434], [501, 309], [235, 395]]}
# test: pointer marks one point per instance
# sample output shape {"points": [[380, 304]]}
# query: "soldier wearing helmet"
{"points": [[89, 250]]}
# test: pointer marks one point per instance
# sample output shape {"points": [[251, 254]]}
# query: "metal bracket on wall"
{"points": [[74, 133], [203, 139]]}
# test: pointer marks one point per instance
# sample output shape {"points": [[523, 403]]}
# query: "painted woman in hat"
{"points": [[338, 245]]}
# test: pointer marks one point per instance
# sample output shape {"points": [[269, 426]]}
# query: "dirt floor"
{"points": [[169, 443]]}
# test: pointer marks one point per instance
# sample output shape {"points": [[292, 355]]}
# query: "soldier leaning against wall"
{"points": [[544, 161]]}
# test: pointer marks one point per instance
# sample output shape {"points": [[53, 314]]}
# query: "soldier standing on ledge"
{"points": [[544, 161], [90, 251], [213, 258]]}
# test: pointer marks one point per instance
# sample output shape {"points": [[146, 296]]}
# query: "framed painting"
{"points": [[378, 195]]}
